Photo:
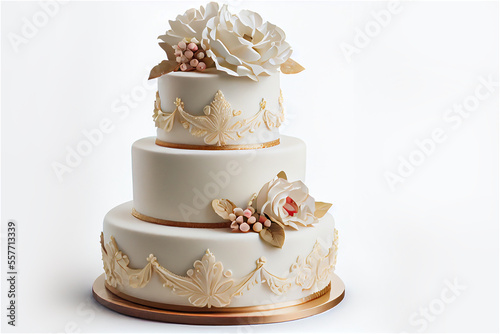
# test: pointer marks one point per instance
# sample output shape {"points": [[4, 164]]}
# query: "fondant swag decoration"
{"points": [[209, 284], [220, 123]]}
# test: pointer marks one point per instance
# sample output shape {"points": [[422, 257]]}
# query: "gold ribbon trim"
{"points": [[215, 147], [166, 222], [183, 308]]}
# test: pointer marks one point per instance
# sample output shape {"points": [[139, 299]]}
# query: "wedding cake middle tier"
{"points": [[178, 185]]}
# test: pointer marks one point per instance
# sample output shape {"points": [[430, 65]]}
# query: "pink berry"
{"points": [[193, 47], [193, 62], [183, 67], [244, 227], [178, 59], [184, 59], [237, 211], [240, 219], [201, 66], [232, 216], [257, 227], [251, 220], [262, 219], [247, 213], [178, 53], [188, 54], [182, 45], [267, 223], [200, 55]]}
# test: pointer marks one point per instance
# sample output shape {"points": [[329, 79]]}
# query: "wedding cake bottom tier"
{"points": [[214, 268]]}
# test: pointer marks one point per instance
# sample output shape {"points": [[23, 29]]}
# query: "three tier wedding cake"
{"points": [[220, 219]]}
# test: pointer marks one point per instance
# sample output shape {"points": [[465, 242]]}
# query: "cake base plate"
{"points": [[312, 307]]}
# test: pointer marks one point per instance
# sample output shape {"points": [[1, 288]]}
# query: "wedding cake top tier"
{"points": [[219, 87], [219, 110]]}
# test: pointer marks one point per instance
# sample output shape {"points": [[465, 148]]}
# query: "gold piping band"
{"points": [[214, 147], [166, 222], [183, 308]]}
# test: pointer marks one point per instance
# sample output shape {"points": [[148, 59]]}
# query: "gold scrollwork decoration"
{"points": [[218, 125], [209, 284]]}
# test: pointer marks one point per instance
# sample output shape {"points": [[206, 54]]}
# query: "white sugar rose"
{"points": [[287, 202], [190, 25], [244, 45]]}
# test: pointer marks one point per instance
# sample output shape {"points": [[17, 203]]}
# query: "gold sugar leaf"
{"points": [[291, 67], [209, 62], [274, 235], [169, 50], [282, 175], [321, 209], [250, 202], [223, 207], [162, 68]]}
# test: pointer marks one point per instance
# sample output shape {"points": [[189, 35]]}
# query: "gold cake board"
{"points": [[312, 307]]}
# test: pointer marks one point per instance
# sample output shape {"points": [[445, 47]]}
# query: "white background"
{"points": [[359, 116]]}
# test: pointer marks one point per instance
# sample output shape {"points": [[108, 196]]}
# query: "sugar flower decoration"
{"points": [[190, 25], [244, 44], [278, 204], [287, 202]]}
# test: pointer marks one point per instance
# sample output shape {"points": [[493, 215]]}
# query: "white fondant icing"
{"points": [[179, 185], [198, 89], [177, 249]]}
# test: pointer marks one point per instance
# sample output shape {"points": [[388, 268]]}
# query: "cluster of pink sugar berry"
{"points": [[190, 56], [243, 220]]}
